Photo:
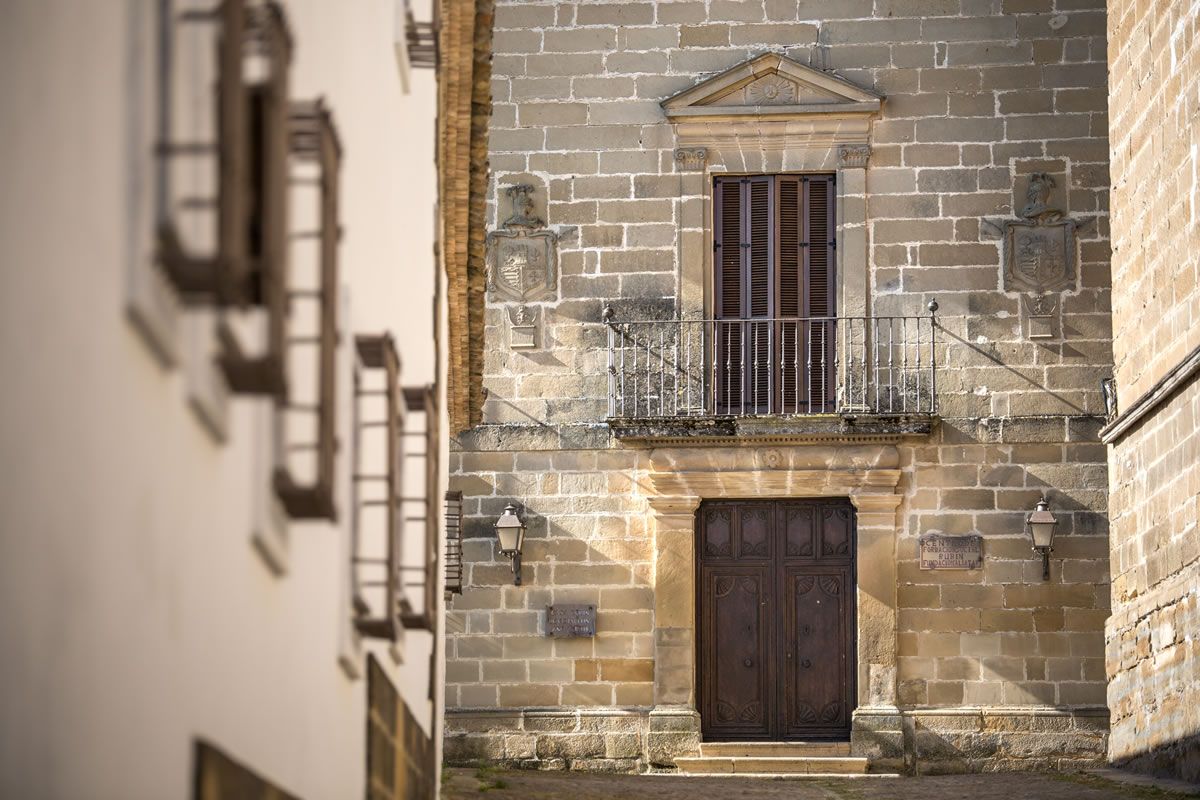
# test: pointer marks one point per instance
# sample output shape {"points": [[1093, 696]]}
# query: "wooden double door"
{"points": [[776, 637]]}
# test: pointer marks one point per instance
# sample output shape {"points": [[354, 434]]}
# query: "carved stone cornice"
{"points": [[772, 103]]}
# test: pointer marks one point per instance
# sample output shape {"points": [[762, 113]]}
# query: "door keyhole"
{"points": [[748, 663]]}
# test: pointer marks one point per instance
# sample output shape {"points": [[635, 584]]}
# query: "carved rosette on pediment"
{"points": [[1039, 246], [522, 257]]}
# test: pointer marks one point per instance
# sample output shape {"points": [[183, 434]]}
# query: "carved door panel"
{"points": [[775, 631], [815, 615], [737, 698]]}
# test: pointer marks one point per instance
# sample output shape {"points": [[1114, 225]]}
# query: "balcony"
{"points": [[781, 377]]}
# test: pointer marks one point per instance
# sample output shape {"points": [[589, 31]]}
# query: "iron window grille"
{"points": [[310, 409], [377, 482]]}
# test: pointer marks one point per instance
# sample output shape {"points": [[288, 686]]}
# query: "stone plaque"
{"points": [[523, 330], [570, 619], [951, 552]]}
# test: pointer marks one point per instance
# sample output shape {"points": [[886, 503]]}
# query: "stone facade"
{"points": [[957, 670], [1153, 654]]}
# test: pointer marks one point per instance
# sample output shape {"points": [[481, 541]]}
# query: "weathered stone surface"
{"points": [[977, 98]]}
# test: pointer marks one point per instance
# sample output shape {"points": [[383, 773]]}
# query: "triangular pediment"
{"points": [[771, 86]]}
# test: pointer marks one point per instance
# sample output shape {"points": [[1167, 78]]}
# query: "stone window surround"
{"points": [[680, 478], [713, 138]]}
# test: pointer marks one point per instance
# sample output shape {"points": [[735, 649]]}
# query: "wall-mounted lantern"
{"points": [[1041, 524], [510, 531]]}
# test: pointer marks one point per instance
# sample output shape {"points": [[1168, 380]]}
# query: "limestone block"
{"points": [[662, 748], [570, 746], [468, 747], [520, 746]]}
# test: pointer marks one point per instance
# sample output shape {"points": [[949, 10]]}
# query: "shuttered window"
{"points": [[774, 260]]}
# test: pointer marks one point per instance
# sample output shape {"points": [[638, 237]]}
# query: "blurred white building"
{"points": [[221, 424]]}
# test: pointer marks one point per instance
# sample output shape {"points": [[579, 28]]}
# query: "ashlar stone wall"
{"points": [[978, 96], [1153, 648]]}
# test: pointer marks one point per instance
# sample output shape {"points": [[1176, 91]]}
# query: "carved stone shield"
{"points": [[1039, 257], [522, 264]]}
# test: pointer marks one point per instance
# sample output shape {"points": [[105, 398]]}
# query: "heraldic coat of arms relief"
{"points": [[522, 258], [1039, 247]]}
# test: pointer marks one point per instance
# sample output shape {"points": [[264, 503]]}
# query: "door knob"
{"points": [[748, 663], [806, 663]]}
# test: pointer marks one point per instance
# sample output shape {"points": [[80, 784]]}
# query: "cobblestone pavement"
{"points": [[461, 784]]}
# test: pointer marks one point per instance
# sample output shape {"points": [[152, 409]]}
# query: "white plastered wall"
{"points": [[135, 613]]}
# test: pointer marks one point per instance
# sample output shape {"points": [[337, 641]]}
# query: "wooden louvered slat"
{"points": [[759, 291], [729, 250], [729, 257], [788, 333], [759, 273], [818, 295]]}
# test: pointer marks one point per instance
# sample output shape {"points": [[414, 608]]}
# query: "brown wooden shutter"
{"points": [[760, 292], [819, 300], [728, 305], [789, 330], [774, 242]]}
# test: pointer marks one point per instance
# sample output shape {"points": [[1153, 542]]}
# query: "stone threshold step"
{"points": [[782, 776], [771, 764], [792, 749]]}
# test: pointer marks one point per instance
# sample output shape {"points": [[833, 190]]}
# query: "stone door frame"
{"points": [[681, 478]]}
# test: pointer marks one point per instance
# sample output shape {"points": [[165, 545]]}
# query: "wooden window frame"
{"points": [[267, 132], [313, 137], [734, 342], [378, 352]]}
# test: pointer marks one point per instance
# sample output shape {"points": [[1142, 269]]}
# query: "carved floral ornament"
{"points": [[771, 90]]}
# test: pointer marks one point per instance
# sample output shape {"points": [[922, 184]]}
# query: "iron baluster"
{"points": [[933, 307], [796, 368], [662, 372]]}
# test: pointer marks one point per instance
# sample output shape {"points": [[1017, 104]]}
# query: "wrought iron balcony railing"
{"points": [[659, 369]]}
